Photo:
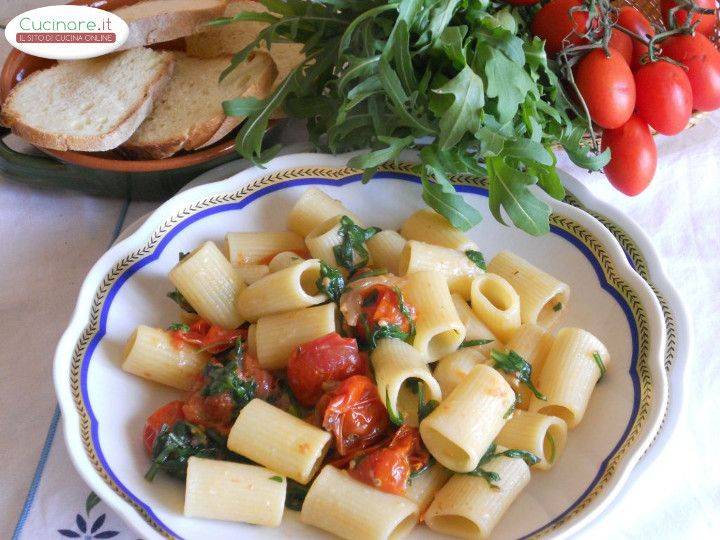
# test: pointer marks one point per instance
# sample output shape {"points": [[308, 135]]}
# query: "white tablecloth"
{"points": [[49, 240]]}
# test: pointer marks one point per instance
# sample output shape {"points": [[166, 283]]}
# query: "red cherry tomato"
{"points": [[554, 23], [381, 307], [167, 415], [633, 20], [607, 86], [266, 384], [633, 156], [622, 43], [354, 413], [664, 97], [707, 21], [329, 358], [389, 468], [208, 337], [703, 62]]}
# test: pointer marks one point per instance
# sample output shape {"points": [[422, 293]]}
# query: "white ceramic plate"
{"points": [[104, 409]]}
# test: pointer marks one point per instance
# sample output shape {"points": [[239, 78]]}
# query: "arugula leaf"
{"points": [[600, 365], [475, 342], [295, 495], [477, 258], [396, 417], [492, 477], [512, 362], [225, 379], [450, 205], [330, 282], [424, 407], [352, 244], [557, 307], [182, 327], [177, 297], [176, 444], [465, 114], [276, 479], [507, 82]]}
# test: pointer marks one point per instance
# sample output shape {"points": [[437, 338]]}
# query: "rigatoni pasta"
{"points": [[575, 363], [210, 284], [250, 273], [467, 421], [153, 354], [283, 260], [452, 369], [475, 329], [292, 288], [532, 342], [542, 297], [260, 247], [385, 250], [350, 509], [314, 207], [543, 436], [277, 440], [428, 226], [496, 304], [250, 494], [422, 489]]}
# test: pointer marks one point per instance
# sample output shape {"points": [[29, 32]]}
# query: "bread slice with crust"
{"points": [[189, 114], [157, 21], [88, 105]]}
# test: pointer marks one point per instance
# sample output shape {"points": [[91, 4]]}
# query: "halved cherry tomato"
{"points": [[167, 415], [313, 364], [664, 96], [266, 384], [381, 307], [622, 43], [389, 468], [631, 18], [707, 21], [554, 23], [703, 62], [633, 156], [354, 413], [607, 86], [208, 337]]}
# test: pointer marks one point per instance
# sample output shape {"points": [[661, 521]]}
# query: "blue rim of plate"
{"points": [[562, 226]]}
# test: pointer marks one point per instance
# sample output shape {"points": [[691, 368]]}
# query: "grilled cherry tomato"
{"points": [[703, 62], [707, 20], [554, 23], [354, 413], [622, 43], [633, 156], [381, 307], [607, 86], [313, 364], [664, 96], [633, 20], [389, 468], [167, 415], [208, 337], [266, 384]]}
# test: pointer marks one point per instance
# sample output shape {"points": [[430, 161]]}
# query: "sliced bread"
{"points": [[189, 114], [88, 105], [157, 21]]}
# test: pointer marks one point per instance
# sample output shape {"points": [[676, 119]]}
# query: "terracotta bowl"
{"points": [[19, 65]]}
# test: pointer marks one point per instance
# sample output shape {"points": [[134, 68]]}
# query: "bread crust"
{"points": [[168, 26], [114, 137]]}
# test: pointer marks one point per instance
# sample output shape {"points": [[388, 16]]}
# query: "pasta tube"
{"points": [[314, 207], [210, 284], [153, 354], [292, 288], [385, 248], [459, 431], [532, 342], [438, 329], [276, 336], [452, 369], [283, 260], [250, 273], [474, 328], [544, 436], [496, 304], [454, 265], [323, 238], [396, 363], [574, 364], [278, 440], [260, 247], [234, 492], [429, 226], [542, 297], [468, 507], [350, 509], [422, 488]]}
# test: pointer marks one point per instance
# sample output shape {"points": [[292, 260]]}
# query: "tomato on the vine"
{"points": [[631, 18], [167, 415], [703, 62], [354, 413], [607, 86], [554, 23], [664, 96], [707, 20], [313, 364], [633, 157], [622, 43]]}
